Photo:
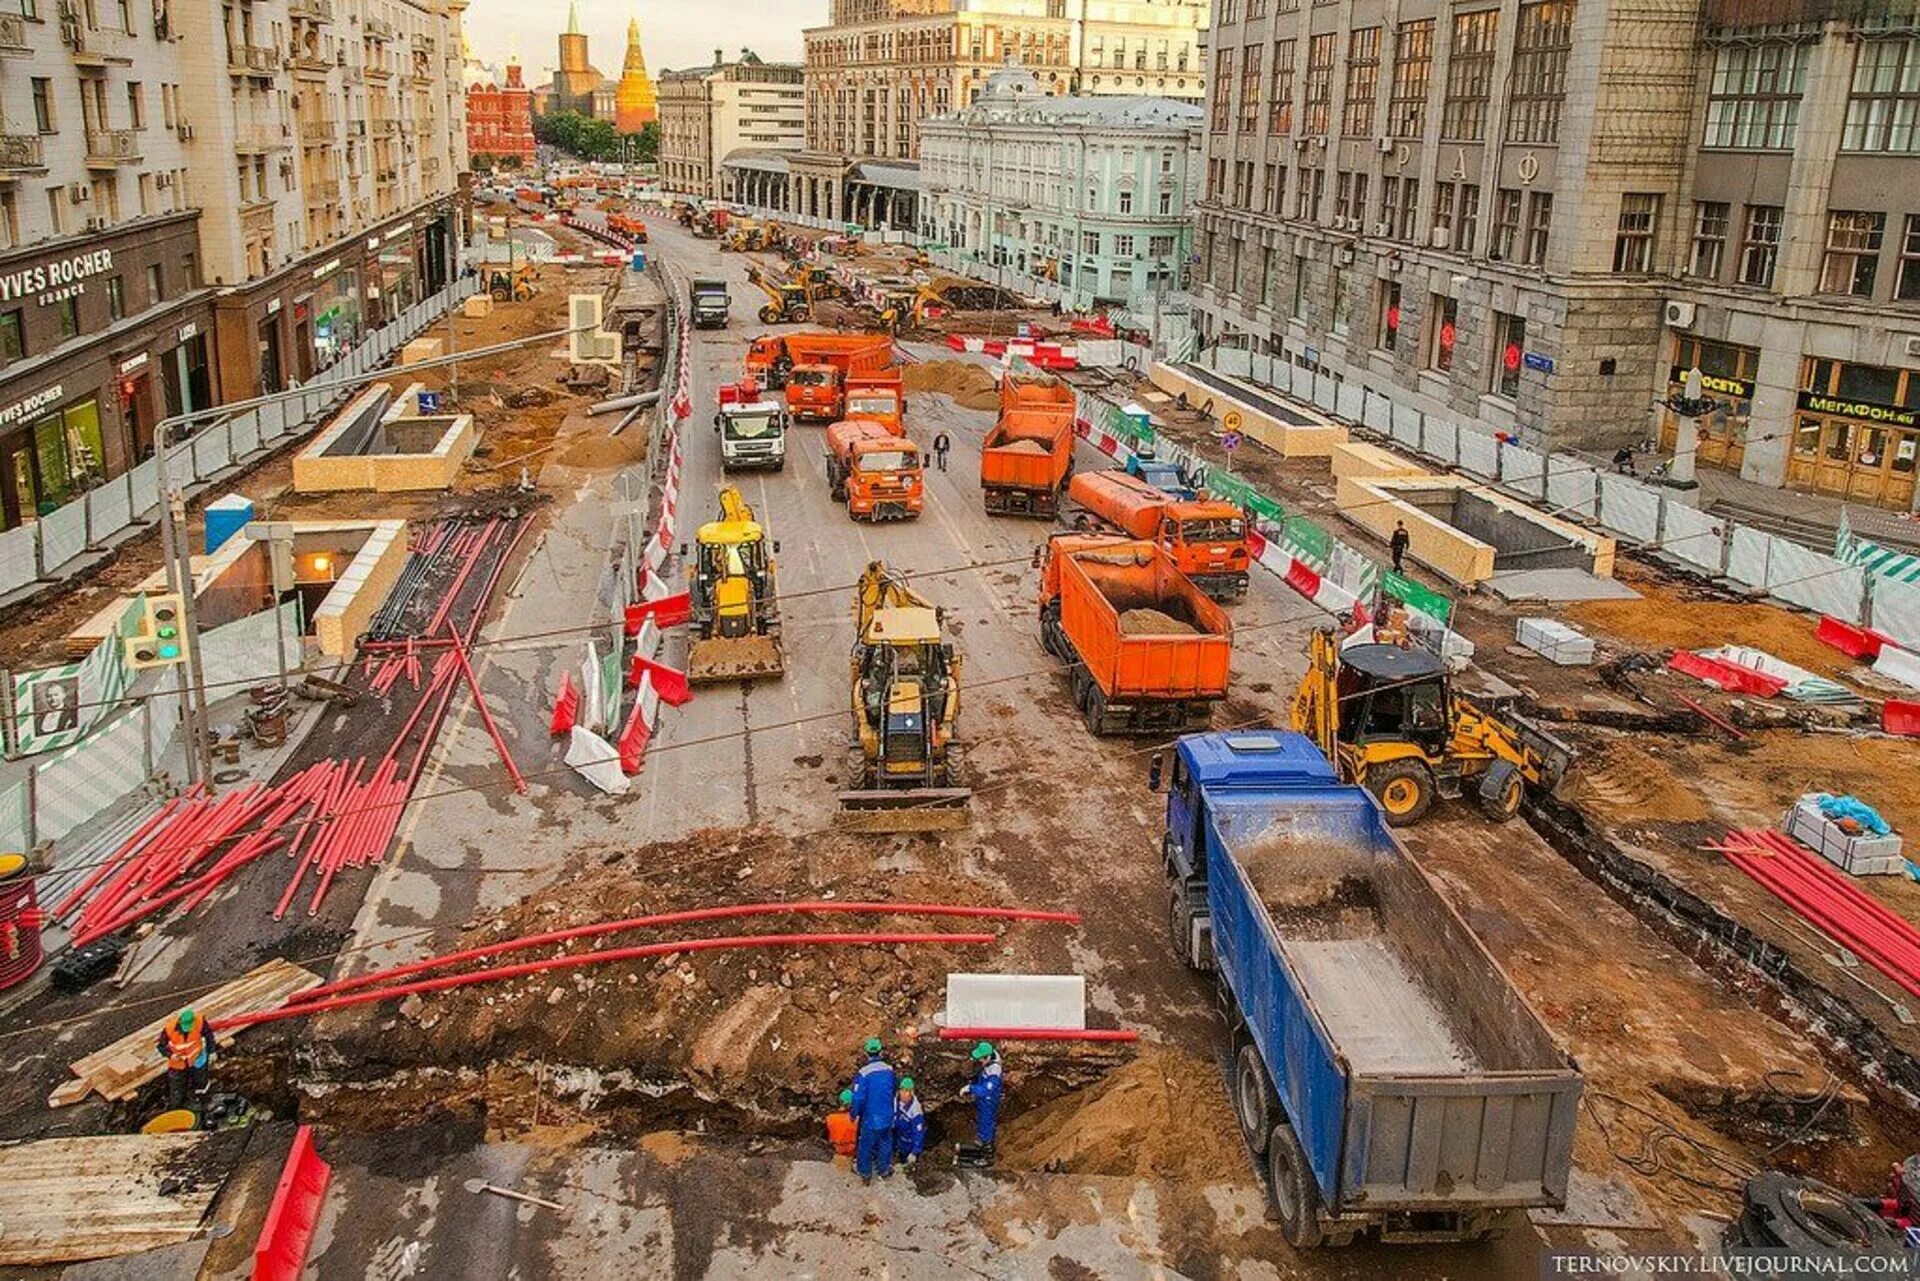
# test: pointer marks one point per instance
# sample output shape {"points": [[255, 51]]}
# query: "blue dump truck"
{"points": [[1384, 1069]]}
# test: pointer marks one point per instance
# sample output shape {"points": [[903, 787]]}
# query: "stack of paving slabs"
{"points": [[1555, 641], [1861, 854]]}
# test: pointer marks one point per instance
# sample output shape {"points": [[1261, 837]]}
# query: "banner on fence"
{"points": [[55, 706]]}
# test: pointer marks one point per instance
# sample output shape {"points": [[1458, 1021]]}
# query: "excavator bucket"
{"points": [[734, 658], [905, 809], [1557, 758]]}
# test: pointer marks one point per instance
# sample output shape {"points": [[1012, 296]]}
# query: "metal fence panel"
{"points": [[1377, 412], [212, 451], [1406, 426], [1524, 471], [1284, 374], [143, 482], [15, 831], [1630, 508], [1694, 537], [1748, 556], [1896, 611], [84, 780], [1813, 581], [19, 558], [1260, 369], [1440, 440], [1572, 487], [242, 652], [1235, 362], [1479, 454], [63, 535], [109, 509], [1325, 391], [1351, 402], [245, 434]]}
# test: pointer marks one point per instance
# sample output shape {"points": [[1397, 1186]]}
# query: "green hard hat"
{"points": [[873, 1045], [187, 1017], [846, 1097], [906, 1083], [983, 1051]]}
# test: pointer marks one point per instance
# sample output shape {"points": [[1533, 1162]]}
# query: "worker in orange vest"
{"points": [[842, 1131], [187, 1043]]}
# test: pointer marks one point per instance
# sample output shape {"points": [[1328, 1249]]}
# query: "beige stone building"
{"points": [[881, 66], [1533, 218], [744, 108]]}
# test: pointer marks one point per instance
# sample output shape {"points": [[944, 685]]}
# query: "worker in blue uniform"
{"points": [[984, 1089], [873, 1109], [909, 1124]]}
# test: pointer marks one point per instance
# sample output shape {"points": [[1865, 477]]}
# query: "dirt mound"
{"points": [[596, 450], [1164, 1115], [1151, 622], [971, 386], [1626, 782], [1670, 617], [1025, 447]]}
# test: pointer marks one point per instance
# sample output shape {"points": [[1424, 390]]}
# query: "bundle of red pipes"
{"points": [[1829, 899]]}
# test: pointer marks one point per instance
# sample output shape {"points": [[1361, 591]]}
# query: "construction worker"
{"points": [[984, 1090], [187, 1043], [940, 447], [909, 1124], [872, 1108], [842, 1131], [1398, 545]]}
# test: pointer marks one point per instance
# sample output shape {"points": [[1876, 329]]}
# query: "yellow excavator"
{"points": [[787, 302], [820, 284], [1390, 720], [516, 285], [736, 616], [903, 762]]}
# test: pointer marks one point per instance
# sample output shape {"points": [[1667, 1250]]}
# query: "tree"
{"points": [[578, 135], [648, 149]]}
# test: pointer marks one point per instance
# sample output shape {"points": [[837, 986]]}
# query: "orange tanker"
{"points": [[876, 473], [1206, 538]]}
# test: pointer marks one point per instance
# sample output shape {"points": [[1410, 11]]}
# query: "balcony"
{"points": [[377, 71], [311, 64], [252, 60], [13, 34], [108, 148], [252, 139], [356, 128], [21, 151], [379, 29], [311, 10], [256, 215], [323, 191], [386, 128], [315, 132], [423, 42]]}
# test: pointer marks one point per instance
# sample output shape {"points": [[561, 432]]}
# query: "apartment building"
{"points": [[1084, 199], [749, 110], [1535, 217], [880, 67], [199, 201]]}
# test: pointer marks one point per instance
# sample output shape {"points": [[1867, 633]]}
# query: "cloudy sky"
{"points": [[674, 33]]}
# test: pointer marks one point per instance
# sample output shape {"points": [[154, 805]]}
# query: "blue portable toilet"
{"points": [[226, 517], [639, 260]]}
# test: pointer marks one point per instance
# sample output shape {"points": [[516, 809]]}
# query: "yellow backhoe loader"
{"points": [[1389, 719], [903, 763], [786, 302], [736, 617], [516, 285]]}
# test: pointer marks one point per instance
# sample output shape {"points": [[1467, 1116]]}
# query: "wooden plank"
{"points": [[64, 1200], [118, 1070]]}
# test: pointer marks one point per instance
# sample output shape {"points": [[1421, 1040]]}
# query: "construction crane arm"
{"points": [[880, 588], [734, 508]]}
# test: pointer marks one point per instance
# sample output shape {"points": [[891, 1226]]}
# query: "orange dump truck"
{"points": [[625, 224], [1147, 652], [1028, 455], [879, 397], [815, 369], [1206, 538], [877, 474]]}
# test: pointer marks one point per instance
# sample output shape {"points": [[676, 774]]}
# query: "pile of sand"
{"points": [[1024, 447], [1151, 622], [1164, 1115], [971, 386]]}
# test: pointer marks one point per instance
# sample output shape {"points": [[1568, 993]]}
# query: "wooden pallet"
{"points": [[119, 1070], [64, 1200]]}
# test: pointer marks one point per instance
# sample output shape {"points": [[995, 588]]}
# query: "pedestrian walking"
{"points": [[1398, 546], [872, 1106], [842, 1131], [188, 1045], [940, 447], [1623, 460], [909, 1124], [984, 1089]]}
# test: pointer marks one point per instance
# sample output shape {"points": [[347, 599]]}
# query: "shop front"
{"points": [[1856, 432], [329, 319], [1727, 375], [52, 450]]}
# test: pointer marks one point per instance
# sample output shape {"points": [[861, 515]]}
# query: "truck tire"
{"points": [[1504, 804], [1404, 790], [1254, 1101], [1180, 923], [1290, 1186], [1810, 1219]]}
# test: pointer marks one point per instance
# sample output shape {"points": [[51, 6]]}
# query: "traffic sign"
{"points": [[1230, 441], [1232, 420]]}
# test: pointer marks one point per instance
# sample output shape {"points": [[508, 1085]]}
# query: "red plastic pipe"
{"points": [[728, 943], [486, 718], [1033, 1034], [734, 912]]}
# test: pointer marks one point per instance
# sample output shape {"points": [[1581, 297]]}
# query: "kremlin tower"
{"points": [[634, 103]]}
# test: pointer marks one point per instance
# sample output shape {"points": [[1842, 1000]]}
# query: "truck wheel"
{"points": [[1404, 790], [1290, 1185], [769, 315], [1253, 1098], [1180, 923]]}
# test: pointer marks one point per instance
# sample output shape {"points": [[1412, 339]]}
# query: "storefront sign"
{"points": [[133, 364], [1739, 388], [187, 331], [326, 269], [56, 280], [1892, 415], [31, 405], [273, 306]]}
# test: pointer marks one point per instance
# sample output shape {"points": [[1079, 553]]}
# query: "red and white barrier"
{"points": [[1041, 355], [280, 1252]]}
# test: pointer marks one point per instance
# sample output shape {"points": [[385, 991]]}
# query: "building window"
{"points": [[1539, 228], [1126, 201], [43, 118], [1280, 110], [1412, 71], [156, 284], [1853, 252], [1123, 247], [1754, 101], [13, 337], [1319, 84], [1443, 197], [1509, 352], [1760, 246], [1443, 318], [1463, 117], [1506, 224], [68, 311], [1633, 241], [1299, 286], [117, 297], [1166, 203], [1276, 197], [1250, 81], [1884, 112], [1306, 197], [1710, 223], [1344, 205], [1160, 247], [1907, 287], [1363, 81], [1388, 314], [1222, 94], [137, 104], [1342, 305], [1544, 40]]}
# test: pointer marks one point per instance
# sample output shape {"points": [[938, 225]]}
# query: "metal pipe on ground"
{"points": [[638, 400]]}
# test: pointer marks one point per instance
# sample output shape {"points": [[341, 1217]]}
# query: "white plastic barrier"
{"points": [[1440, 440], [1627, 507], [19, 558], [1407, 426], [143, 482], [1325, 392], [63, 535], [1017, 1000], [1691, 535], [1748, 555], [109, 509], [1896, 610], [1899, 664], [1351, 402], [1524, 471], [1377, 414], [212, 451], [1572, 488], [245, 434], [1813, 581], [1479, 455]]}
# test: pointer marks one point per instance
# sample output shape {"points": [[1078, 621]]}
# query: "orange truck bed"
{"points": [[879, 397], [823, 364], [1147, 651], [877, 474], [1207, 538], [1028, 454]]}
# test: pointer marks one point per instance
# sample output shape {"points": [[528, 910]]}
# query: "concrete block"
{"points": [[1017, 1000], [478, 307], [1854, 855], [423, 349], [1554, 641], [1361, 461]]}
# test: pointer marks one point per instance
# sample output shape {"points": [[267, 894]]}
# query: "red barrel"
{"points": [[20, 921]]}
